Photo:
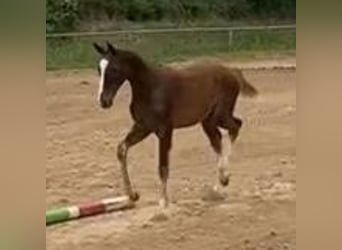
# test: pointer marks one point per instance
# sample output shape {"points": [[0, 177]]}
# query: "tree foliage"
{"points": [[61, 15], [64, 15]]}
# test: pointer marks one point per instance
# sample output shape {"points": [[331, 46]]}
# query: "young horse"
{"points": [[165, 99]]}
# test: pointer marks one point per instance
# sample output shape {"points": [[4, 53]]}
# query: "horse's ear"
{"points": [[111, 48], [99, 49]]}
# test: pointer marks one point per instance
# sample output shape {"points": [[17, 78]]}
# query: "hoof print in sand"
{"points": [[211, 194], [159, 217]]}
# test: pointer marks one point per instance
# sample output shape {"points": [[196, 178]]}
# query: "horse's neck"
{"points": [[142, 86]]}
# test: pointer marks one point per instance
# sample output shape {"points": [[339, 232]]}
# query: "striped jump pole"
{"points": [[59, 215]]}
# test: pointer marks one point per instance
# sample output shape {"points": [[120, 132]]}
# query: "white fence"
{"points": [[230, 38], [171, 30]]}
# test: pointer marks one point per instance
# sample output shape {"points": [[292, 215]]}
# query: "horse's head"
{"points": [[112, 74]]}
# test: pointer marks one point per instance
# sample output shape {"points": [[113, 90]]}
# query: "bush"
{"points": [[65, 15]]}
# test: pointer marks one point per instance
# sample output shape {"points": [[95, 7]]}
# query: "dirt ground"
{"points": [[259, 209]]}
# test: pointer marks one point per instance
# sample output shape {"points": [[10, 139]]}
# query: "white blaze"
{"points": [[103, 65]]}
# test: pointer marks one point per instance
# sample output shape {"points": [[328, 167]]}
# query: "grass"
{"points": [[76, 53]]}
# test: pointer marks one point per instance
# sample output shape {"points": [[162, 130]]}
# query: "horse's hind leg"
{"points": [[233, 125], [136, 134], [165, 144], [225, 114], [215, 137]]}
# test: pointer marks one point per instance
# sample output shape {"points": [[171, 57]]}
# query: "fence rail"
{"points": [[74, 50], [170, 30]]}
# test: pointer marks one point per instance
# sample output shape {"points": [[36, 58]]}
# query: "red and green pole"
{"points": [[59, 215]]}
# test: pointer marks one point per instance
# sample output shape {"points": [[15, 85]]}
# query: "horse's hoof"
{"points": [[224, 179], [134, 196], [163, 204]]}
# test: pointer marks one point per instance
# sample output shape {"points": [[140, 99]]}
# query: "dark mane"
{"points": [[134, 60]]}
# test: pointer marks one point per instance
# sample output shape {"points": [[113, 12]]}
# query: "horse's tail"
{"points": [[246, 88]]}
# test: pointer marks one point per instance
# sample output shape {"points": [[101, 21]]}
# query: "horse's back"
{"points": [[196, 89]]}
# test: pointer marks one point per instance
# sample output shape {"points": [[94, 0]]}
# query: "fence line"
{"points": [[170, 30]]}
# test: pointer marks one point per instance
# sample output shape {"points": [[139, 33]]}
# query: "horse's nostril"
{"points": [[106, 104]]}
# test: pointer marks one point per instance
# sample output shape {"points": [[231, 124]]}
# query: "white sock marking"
{"points": [[103, 65], [223, 159]]}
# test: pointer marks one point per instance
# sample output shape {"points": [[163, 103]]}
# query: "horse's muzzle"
{"points": [[106, 104]]}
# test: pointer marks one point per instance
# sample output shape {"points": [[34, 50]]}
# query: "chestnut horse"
{"points": [[165, 99]]}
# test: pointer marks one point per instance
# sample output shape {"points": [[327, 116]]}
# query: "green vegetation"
{"points": [[87, 15], [71, 15], [162, 48]]}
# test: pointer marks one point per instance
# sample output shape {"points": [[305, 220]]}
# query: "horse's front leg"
{"points": [[165, 144], [136, 134]]}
